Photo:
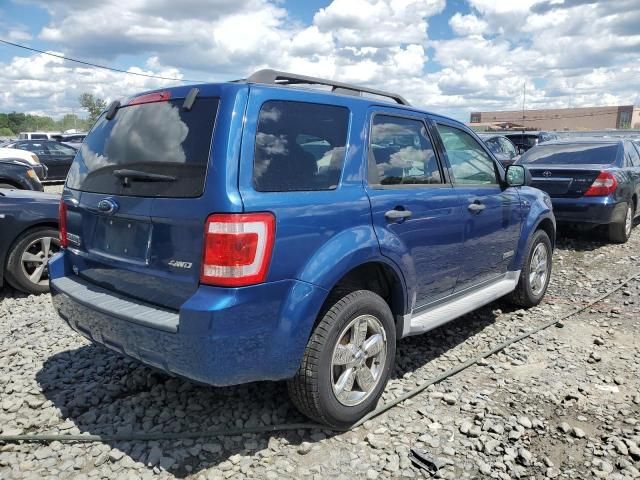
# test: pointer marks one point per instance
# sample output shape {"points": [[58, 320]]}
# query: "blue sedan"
{"points": [[591, 182]]}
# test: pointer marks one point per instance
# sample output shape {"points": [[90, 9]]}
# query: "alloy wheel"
{"points": [[35, 259], [628, 222], [358, 360], [538, 269]]}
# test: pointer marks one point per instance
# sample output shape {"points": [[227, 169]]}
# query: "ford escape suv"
{"points": [[267, 229]]}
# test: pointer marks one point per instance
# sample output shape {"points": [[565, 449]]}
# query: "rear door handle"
{"points": [[396, 214], [476, 207]]}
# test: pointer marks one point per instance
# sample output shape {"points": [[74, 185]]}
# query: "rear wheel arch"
{"points": [[376, 276]]}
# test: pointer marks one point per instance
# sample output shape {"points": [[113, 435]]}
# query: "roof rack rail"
{"points": [[275, 77]]}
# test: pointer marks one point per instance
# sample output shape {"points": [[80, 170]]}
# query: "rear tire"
{"points": [[536, 272], [340, 378], [26, 268], [619, 232]]}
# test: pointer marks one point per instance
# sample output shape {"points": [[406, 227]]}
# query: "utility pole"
{"points": [[524, 96]]}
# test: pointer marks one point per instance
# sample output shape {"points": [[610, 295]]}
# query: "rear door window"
{"points": [[299, 146], [55, 148], [401, 153], [36, 147], [159, 139]]}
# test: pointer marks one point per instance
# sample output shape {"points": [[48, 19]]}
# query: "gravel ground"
{"points": [[564, 403]]}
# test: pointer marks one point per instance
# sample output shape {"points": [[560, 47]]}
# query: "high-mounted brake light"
{"points": [[150, 98], [62, 224], [602, 186], [237, 248]]}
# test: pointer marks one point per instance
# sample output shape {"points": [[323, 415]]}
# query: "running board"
{"points": [[442, 313]]}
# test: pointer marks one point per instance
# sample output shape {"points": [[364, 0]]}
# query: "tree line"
{"points": [[11, 124]]}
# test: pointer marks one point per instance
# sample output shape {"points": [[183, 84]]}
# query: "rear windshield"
{"points": [[160, 139], [571, 154], [528, 140]]}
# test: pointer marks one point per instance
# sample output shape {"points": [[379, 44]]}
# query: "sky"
{"points": [[447, 56]]}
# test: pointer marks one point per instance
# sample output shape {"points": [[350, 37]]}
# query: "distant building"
{"points": [[589, 118]]}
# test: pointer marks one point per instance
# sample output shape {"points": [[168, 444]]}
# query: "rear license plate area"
{"points": [[122, 238], [552, 187]]}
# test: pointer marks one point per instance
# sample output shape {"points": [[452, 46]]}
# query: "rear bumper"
{"points": [[220, 336], [585, 210]]}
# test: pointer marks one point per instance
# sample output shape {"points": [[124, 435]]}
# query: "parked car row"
{"points": [[249, 231]]}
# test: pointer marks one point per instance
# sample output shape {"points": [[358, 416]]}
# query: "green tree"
{"points": [[6, 132], [92, 104]]}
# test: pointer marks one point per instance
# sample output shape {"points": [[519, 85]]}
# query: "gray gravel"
{"points": [[564, 403]]}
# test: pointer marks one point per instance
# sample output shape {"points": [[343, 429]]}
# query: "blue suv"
{"points": [[256, 230]]}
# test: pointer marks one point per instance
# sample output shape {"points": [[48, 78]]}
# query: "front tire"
{"points": [[619, 232], [27, 264], [347, 362], [536, 272]]}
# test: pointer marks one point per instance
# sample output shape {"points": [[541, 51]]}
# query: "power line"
{"points": [[99, 66]]}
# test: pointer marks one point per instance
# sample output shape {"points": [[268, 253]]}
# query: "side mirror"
{"points": [[516, 176]]}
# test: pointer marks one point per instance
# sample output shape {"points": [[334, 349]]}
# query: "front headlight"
{"points": [[35, 159]]}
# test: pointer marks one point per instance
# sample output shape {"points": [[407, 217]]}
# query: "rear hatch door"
{"points": [[136, 210]]}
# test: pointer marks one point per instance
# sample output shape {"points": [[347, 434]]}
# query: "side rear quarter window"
{"points": [[470, 163], [401, 153], [299, 146]]}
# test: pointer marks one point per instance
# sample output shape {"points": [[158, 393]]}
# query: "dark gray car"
{"points": [[55, 155], [503, 148]]}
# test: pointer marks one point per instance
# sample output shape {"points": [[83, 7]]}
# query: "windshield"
{"points": [[571, 154], [156, 138]]}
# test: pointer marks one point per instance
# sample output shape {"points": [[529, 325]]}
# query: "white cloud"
{"points": [[569, 52], [467, 24]]}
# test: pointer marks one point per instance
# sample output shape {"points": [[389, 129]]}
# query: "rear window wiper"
{"points": [[138, 176]]}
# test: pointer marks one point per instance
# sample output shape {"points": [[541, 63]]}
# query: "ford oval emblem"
{"points": [[108, 206]]}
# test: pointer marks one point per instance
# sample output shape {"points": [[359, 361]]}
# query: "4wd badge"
{"points": [[180, 264]]}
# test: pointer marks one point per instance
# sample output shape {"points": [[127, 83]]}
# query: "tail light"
{"points": [[602, 186], [237, 249], [62, 224]]}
